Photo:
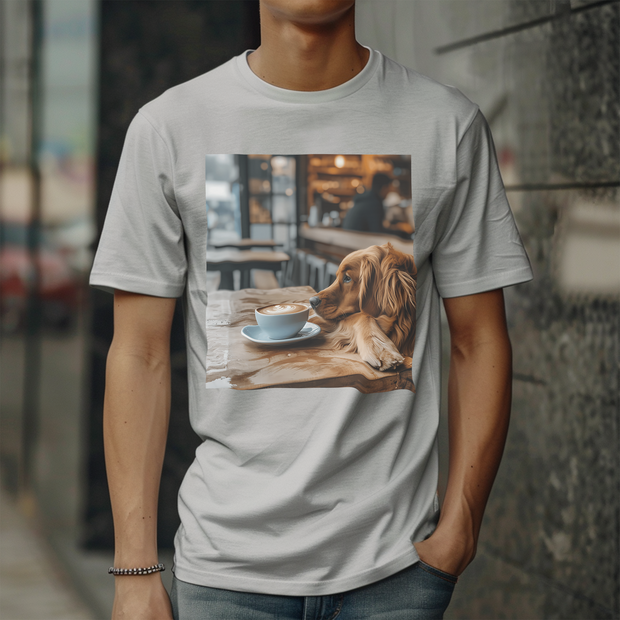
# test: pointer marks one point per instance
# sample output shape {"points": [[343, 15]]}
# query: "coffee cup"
{"points": [[281, 321]]}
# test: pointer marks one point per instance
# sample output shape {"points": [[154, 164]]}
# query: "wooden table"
{"points": [[227, 261], [237, 363], [245, 244]]}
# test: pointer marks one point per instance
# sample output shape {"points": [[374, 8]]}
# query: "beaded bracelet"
{"points": [[137, 571]]}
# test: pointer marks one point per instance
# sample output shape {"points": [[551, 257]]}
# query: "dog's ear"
{"points": [[403, 261], [409, 264], [394, 295], [369, 275], [396, 287]]}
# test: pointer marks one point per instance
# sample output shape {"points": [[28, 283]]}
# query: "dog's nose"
{"points": [[314, 302]]}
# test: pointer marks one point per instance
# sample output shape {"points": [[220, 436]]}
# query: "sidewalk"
{"points": [[33, 586]]}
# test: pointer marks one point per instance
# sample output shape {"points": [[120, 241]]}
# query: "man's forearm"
{"points": [[136, 414], [479, 397]]}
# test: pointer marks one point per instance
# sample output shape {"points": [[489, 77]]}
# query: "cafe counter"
{"points": [[336, 243]]}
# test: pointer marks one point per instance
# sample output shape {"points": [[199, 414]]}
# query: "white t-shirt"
{"points": [[308, 490]]}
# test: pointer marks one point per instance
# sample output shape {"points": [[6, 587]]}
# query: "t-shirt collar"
{"points": [[302, 96]]}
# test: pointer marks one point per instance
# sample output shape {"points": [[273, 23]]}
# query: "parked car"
{"points": [[58, 288]]}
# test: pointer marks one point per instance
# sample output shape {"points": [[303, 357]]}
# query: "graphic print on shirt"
{"points": [[311, 278]]}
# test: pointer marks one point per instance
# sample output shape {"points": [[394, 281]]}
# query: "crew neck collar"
{"points": [[307, 96]]}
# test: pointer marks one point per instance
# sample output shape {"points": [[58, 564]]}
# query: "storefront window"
{"points": [[222, 195]]}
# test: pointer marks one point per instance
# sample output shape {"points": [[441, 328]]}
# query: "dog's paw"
{"points": [[382, 356], [390, 359]]}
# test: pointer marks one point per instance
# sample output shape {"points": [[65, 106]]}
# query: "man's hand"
{"points": [[448, 551], [479, 395], [141, 597]]}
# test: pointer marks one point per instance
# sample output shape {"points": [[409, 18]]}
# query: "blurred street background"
{"points": [[546, 74]]}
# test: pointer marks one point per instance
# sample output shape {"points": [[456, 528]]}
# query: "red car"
{"points": [[58, 286]]}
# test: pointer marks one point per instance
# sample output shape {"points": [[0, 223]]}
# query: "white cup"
{"points": [[282, 326]]}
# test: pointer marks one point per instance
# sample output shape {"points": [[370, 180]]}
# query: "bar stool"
{"points": [[316, 271], [288, 275], [329, 275], [297, 274]]}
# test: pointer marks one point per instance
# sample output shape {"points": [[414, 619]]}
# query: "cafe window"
{"points": [[272, 198], [252, 196], [266, 197], [222, 196]]}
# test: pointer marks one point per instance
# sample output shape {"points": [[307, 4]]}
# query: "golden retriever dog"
{"points": [[370, 307]]}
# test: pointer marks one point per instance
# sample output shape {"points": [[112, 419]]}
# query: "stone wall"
{"points": [[546, 75]]}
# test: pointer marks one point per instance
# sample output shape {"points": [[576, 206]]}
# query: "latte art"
{"points": [[282, 309]]}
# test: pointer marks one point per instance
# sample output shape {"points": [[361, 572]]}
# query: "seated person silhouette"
{"points": [[366, 214]]}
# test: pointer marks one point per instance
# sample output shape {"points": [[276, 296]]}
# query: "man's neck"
{"points": [[307, 57]]}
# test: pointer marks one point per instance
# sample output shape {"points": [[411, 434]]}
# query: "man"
{"points": [[366, 214], [306, 502]]}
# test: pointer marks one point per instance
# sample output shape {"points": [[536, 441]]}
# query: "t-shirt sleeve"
{"points": [[141, 248], [479, 247]]}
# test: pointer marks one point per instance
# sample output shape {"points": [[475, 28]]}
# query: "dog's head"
{"points": [[378, 280]]}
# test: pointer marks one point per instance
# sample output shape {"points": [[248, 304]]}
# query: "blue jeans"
{"points": [[418, 592]]}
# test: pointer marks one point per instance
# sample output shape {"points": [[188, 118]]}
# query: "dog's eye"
{"points": [[346, 279]]}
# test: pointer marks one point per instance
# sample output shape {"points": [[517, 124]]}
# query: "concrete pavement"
{"points": [[33, 585]]}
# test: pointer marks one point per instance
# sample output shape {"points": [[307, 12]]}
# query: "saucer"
{"points": [[256, 334]]}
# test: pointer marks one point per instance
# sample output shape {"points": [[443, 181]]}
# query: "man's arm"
{"points": [[135, 421], [479, 398]]}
